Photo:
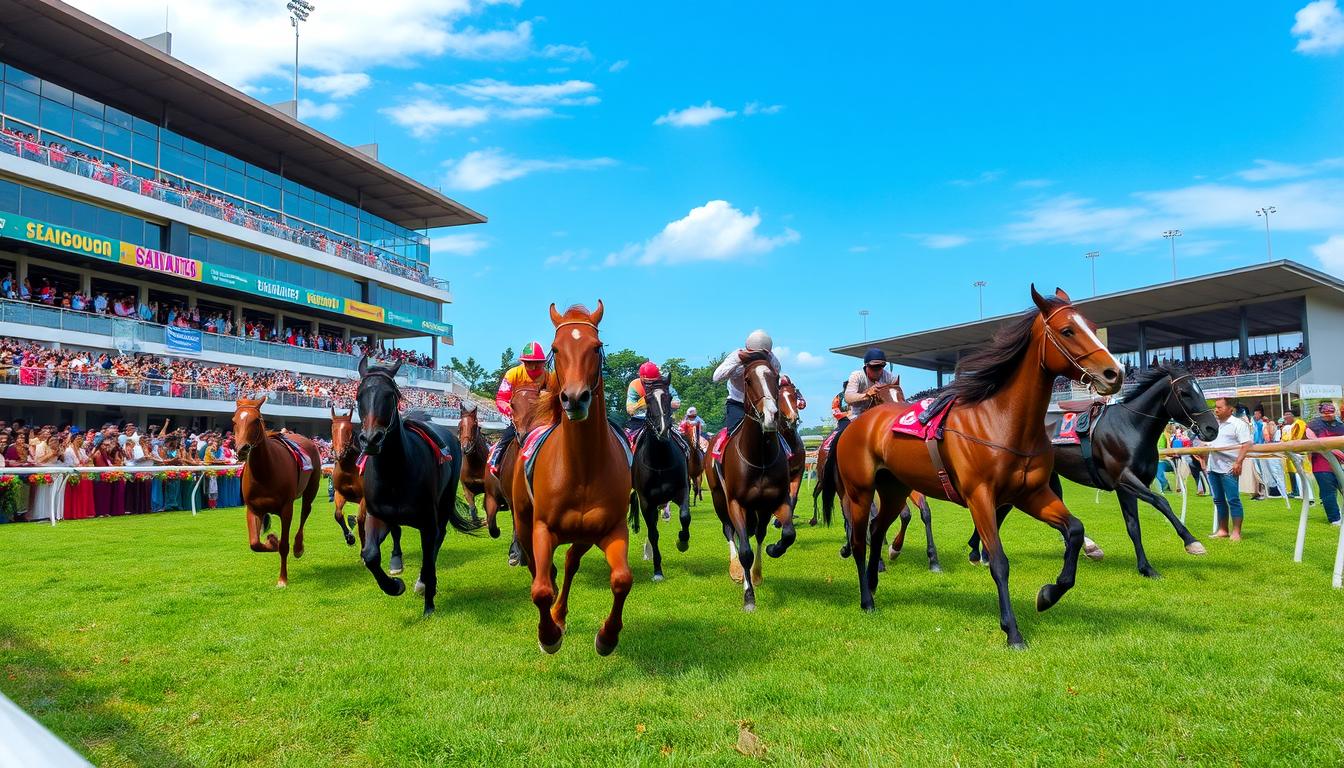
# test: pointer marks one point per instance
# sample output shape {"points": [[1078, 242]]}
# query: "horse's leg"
{"points": [[491, 504], [375, 530], [891, 505], [615, 547], [549, 634], [787, 533], [338, 511], [572, 557], [860, 500], [684, 517], [927, 518], [428, 583], [980, 552], [359, 523], [984, 512], [1045, 506], [745, 556], [394, 563], [1131, 483], [651, 550], [898, 543], [305, 509], [1129, 508], [254, 534], [286, 517], [758, 560], [845, 548], [470, 498]]}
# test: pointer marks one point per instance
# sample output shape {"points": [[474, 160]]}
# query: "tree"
{"points": [[490, 381], [471, 371], [621, 368]]}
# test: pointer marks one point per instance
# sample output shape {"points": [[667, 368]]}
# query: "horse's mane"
{"points": [[548, 400], [1145, 379], [981, 374], [416, 414]]}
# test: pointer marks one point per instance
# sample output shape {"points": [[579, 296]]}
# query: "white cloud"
{"points": [[694, 117], [943, 241], [466, 244], [716, 231], [570, 53], [1034, 183], [488, 167], [425, 117], [568, 93], [985, 177], [342, 85], [1319, 27], [1272, 170], [757, 108], [806, 359], [570, 259], [1331, 253], [312, 110], [618, 66]]}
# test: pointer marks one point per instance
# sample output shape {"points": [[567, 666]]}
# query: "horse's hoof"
{"points": [[683, 544], [419, 587], [1195, 548], [494, 531], [1093, 551], [868, 608], [1150, 574], [281, 584], [551, 649], [513, 561], [749, 607], [602, 648], [1046, 598], [844, 552], [1018, 644], [428, 612], [398, 588], [935, 568], [881, 566], [774, 550], [657, 577], [349, 540], [812, 523]]}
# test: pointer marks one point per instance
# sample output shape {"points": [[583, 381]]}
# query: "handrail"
{"points": [[1282, 378]]}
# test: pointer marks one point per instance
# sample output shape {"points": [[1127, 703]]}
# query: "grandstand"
{"points": [[152, 214], [1247, 333]]}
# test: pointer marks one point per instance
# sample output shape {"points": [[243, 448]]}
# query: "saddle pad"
{"points": [[1071, 428], [301, 456], [441, 452], [721, 440], [830, 440], [921, 422], [530, 445]]}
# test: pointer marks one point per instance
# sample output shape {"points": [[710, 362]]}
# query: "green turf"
{"points": [[161, 640]]}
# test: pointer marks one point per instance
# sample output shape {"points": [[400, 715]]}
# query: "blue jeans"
{"points": [[1329, 487], [1162, 466], [1226, 495]]}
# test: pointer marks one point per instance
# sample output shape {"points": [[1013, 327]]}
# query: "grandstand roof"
{"points": [[56, 42], [1212, 303]]}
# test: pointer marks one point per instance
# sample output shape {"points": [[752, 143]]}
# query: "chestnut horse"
{"points": [[695, 464], [580, 492], [524, 398], [349, 485], [272, 480], [477, 479], [995, 450], [751, 483]]}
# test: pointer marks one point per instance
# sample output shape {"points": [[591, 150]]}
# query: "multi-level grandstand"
{"points": [[168, 243]]}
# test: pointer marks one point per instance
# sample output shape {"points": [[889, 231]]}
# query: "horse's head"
{"points": [[524, 410], [469, 426], [249, 428], [578, 356], [762, 390], [658, 399], [1070, 346], [377, 400], [1187, 404], [790, 408], [343, 446]]}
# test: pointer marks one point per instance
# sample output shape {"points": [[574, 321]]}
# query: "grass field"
{"points": [[161, 640]]}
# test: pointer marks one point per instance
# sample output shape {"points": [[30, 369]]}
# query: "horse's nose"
{"points": [[1110, 375], [569, 401]]}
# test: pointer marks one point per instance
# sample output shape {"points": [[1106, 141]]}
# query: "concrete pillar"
{"points": [[1143, 346], [1185, 352], [279, 323], [1306, 346], [238, 318], [142, 294], [21, 274], [940, 377], [86, 283], [434, 346], [1244, 334]]}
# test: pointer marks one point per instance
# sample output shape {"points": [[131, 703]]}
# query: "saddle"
{"points": [[1075, 427], [721, 442], [301, 456], [925, 420], [537, 437], [436, 444]]}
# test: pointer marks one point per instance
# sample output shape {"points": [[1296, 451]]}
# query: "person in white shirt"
{"points": [[733, 371], [1224, 467]]}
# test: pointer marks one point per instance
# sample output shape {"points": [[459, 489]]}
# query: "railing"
{"points": [[28, 313], [216, 206], [1281, 379]]}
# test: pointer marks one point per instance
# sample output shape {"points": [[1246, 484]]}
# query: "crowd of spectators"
{"points": [[196, 198], [1265, 362]]}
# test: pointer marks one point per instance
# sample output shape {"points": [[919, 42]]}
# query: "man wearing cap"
{"points": [[861, 389], [1224, 467], [529, 373], [1326, 426], [1292, 428], [733, 371], [635, 407]]}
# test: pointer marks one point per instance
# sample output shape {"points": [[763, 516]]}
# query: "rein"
{"points": [[1166, 404], [1085, 378], [997, 446]]}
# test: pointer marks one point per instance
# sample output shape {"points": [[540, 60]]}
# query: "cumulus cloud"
{"points": [[467, 244], [618, 66], [1273, 170], [1331, 253], [425, 117], [694, 117], [570, 53], [487, 167], [567, 93], [716, 231], [806, 359], [312, 110], [1319, 28], [341, 85]]}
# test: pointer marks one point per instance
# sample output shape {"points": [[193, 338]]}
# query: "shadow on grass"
{"points": [[79, 711]]}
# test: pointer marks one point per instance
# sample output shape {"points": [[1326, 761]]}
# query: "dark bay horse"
{"points": [[1124, 449], [580, 492], [272, 480], [695, 464], [659, 473], [994, 451], [524, 398], [411, 469], [477, 480], [350, 486], [750, 486]]}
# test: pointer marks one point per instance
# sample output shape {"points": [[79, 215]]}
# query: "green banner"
{"points": [[62, 238]]}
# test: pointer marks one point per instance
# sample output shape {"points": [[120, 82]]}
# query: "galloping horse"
{"points": [[580, 492], [524, 398], [659, 473], [476, 477], [695, 464], [273, 478], [350, 486], [1123, 454], [993, 449], [791, 405], [411, 468], [750, 485]]}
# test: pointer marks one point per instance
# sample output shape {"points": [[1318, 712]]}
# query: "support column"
{"points": [[86, 283], [939, 373], [21, 272], [1243, 331], [434, 349], [238, 323], [279, 324], [1185, 351], [1143, 346], [1306, 347]]}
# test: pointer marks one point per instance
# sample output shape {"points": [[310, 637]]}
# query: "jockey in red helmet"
{"points": [[635, 407], [530, 372]]}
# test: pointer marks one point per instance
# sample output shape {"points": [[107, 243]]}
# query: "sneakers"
{"points": [[1336, 523]]}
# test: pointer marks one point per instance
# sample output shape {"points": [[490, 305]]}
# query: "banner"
{"points": [[182, 341], [1265, 389], [1319, 391], [63, 238], [158, 261], [364, 311]]}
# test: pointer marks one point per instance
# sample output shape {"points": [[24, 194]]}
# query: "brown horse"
{"points": [[349, 485], [580, 493], [477, 479], [791, 405], [272, 480], [695, 464], [524, 398], [995, 450], [751, 483]]}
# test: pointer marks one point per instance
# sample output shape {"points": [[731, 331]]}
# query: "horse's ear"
{"points": [[556, 318], [363, 366], [669, 377], [1042, 303], [1059, 293], [898, 380], [333, 413], [596, 317]]}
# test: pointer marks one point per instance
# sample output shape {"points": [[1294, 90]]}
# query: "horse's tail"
{"points": [[634, 512], [829, 481], [266, 523]]}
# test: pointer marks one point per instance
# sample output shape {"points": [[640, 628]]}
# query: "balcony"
{"points": [[1281, 379]]}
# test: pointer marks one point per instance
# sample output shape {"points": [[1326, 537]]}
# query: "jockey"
{"points": [[733, 371], [691, 424], [785, 381], [635, 407], [859, 388], [530, 372], [839, 407]]}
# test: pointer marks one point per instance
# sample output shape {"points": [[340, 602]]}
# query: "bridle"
{"points": [[757, 414], [348, 450], [662, 413], [1086, 378], [1166, 404], [469, 445], [245, 446], [601, 352], [391, 380]]}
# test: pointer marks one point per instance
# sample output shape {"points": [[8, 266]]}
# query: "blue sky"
{"points": [[708, 168]]}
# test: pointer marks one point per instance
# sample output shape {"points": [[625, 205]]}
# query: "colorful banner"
{"points": [[63, 238], [1319, 391], [364, 311], [1264, 389], [182, 341], [158, 261]]}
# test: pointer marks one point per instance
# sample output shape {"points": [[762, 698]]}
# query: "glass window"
{"points": [[33, 204], [234, 164], [21, 104], [198, 248], [57, 117], [170, 139], [61, 210], [154, 235], [235, 185], [215, 175], [109, 223], [132, 229], [88, 106], [88, 129], [9, 196], [145, 150], [144, 171], [254, 189], [22, 79], [193, 147], [145, 128], [118, 118], [271, 196], [116, 139], [215, 156], [56, 93]]}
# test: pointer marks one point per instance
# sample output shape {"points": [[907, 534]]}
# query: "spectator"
{"points": [[1326, 426], [1293, 428], [1224, 468], [1164, 442]]}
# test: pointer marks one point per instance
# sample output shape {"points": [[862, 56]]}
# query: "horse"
{"points": [[695, 464], [992, 450], [411, 468], [791, 404], [349, 485], [659, 473], [580, 492], [477, 480], [750, 485], [273, 478], [1124, 450], [524, 398]]}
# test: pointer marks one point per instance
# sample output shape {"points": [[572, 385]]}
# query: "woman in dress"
{"points": [[18, 455], [116, 496], [78, 491], [156, 451], [102, 488], [47, 451]]}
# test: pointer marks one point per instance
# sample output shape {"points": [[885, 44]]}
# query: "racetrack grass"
{"points": [[161, 640]]}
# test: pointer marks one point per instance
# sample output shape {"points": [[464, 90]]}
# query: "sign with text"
{"points": [[1319, 391], [182, 341]]}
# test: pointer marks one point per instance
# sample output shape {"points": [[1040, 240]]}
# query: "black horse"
{"points": [[411, 469], [659, 473], [1124, 450]]}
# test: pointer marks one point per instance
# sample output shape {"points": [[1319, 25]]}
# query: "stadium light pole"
{"points": [[863, 313], [1266, 211], [980, 286], [299, 10], [1092, 256], [1171, 235]]}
